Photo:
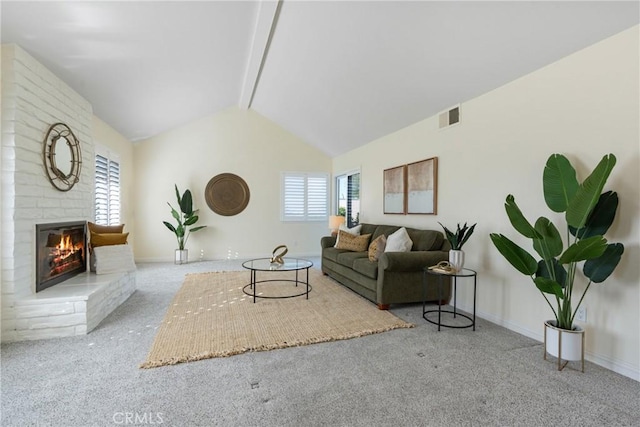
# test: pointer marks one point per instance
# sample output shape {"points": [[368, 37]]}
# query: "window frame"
{"points": [[307, 203]]}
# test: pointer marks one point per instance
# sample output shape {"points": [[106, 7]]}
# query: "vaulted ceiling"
{"points": [[338, 74]]}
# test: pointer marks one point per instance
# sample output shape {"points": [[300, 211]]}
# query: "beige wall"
{"points": [[234, 141], [584, 106], [105, 136]]}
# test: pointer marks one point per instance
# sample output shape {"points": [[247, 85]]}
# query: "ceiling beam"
{"points": [[265, 24]]}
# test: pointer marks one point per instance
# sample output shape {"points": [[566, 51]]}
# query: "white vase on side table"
{"points": [[456, 259]]}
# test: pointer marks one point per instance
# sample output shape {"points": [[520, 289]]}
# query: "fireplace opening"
{"points": [[60, 252]]}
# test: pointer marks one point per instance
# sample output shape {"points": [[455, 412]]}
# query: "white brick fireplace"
{"points": [[33, 99]]}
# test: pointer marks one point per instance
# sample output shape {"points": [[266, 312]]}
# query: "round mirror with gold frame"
{"points": [[62, 157]]}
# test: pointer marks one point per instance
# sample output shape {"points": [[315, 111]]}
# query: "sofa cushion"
{"points": [[376, 248], [366, 267], [352, 243], [347, 258], [385, 230], [425, 240], [399, 241], [332, 253]]}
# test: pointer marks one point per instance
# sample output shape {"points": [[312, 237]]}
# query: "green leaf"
{"points": [[178, 195], [559, 183], [180, 231], [549, 286], [465, 234], [552, 270], [549, 245], [174, 213], [601, 217], [200, 227], [186, 205], [585, 249], [169, 226], [191, 220], [598, 269], [518, 220], [588, 194], [517, 257]]}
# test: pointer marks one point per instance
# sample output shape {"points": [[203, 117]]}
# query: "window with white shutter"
{"points": [[305, 196], [107, 190]]}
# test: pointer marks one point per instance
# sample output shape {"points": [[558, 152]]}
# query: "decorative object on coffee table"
{"points": [[227, 194], [277, 258], [588, 214], [62, 157], [186, 217], [457, 240]]}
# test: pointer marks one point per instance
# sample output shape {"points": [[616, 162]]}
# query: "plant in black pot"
{"points": [[186, 217], [457, 240], [588, 214]]}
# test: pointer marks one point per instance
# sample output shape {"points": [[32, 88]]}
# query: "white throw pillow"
{"points": [[353, 230], [399, 241], [113, 259]]}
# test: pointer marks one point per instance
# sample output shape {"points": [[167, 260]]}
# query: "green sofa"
{"points": [[397, 276]]}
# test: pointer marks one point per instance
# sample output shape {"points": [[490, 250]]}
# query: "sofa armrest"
{"points": [[410, 261], [327, 242]]}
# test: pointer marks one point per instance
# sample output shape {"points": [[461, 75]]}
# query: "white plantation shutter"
{"points": [[304, 196], [107, 191]]}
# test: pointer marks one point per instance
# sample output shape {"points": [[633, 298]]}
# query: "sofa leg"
{"points": [[383, 306]]}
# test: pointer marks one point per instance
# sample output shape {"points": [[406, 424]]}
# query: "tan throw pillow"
{"points": [[102, 229], [352, 243], [353, 230], [376, 248], [106, 239]]}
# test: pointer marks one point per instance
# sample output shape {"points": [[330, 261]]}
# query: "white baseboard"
{"points": [[171, 260], [622, 368]]}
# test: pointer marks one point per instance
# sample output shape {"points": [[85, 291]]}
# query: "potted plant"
{"points": [[457, 239], [588, 214], [186, 218]]}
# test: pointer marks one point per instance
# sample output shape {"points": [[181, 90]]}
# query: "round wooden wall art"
{"points": [[227, 194]]}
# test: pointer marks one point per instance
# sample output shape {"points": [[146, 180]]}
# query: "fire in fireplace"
{"points": [[60, 252]]}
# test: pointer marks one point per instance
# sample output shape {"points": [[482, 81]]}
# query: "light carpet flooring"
{"points": [[404, 377]]}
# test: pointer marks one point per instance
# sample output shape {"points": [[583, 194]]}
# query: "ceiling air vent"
{"points": [[449, 117]]}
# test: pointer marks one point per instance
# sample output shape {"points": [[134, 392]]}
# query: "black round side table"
{"points": [[465, 272]]}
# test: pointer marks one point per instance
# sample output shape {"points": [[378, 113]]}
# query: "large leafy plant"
{"points": [[185, 217], [588, 214]]}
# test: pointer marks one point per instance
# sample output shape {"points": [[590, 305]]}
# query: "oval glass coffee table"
{"points": [[265, 265]]}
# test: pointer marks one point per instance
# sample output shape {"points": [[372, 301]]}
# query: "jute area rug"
{"points": [[210, 316]]}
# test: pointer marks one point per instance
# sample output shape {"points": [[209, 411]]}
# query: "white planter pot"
{"points": [[182, 256], [456, 259], [563, 344]]}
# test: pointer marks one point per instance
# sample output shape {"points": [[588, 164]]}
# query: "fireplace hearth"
{"points": [[60, 252]]}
